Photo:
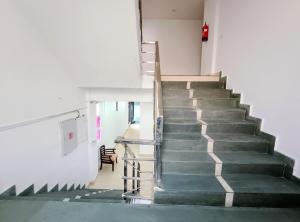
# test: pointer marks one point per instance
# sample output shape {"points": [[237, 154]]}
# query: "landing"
{"points": [[36, 211]]}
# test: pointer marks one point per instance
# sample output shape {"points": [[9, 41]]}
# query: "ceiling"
{"points": [[172, 9]]}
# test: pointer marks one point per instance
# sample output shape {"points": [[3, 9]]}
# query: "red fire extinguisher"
{"points": [[205, 30]]}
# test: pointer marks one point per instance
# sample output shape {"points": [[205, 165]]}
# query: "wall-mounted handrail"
{"points": [[38, 120]]}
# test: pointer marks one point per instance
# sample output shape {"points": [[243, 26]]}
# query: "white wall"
{"points": [[96, 41], [113, 123], [209, 48], [258, 48], [180, 44], [114, 94], [34, 84], [146, 126], [33, 155]]}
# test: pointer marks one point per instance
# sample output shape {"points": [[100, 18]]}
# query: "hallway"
{"points": [[106, 179]]}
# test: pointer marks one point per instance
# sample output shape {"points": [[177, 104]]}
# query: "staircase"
{"points": [[214, 154], [212, 163], [214, 157], [72, 194]]}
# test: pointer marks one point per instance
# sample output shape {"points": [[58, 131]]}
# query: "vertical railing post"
{"points": [[125, 168], [159, 132], [133, 175], [138, 176]]}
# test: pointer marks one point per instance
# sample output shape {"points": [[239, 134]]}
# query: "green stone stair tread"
{"points": [[36, 211], [176, 144], [213, 113], [183, 136], [98, 200], [181, 120], [231, 126], [248, 183], [246, 122], [74, 192], [33, 197], [248, 158], [198, 93], [114, 194], [236, 137], [263, 191], [179, 108], [189, 167], [187, 157], [178, 182], [174, 85], [182, 127], [205, 85]]}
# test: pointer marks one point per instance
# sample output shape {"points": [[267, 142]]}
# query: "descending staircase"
{"points": [[214, 154], [72, 194]]}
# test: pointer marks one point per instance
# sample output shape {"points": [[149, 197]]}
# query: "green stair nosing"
{"points": [[72, 188], [28, 191], [12, 191], [43, 189], [55, 188]]}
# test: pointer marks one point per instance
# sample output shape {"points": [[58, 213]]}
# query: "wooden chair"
{"points": [[108, 156]]}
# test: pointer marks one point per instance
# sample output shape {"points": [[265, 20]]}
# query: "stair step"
{"points": [[180, 121], [177, 102], [219, 126], [62, 194], [182, 127], [190, 189], [180, 113], [185, 155], [114, 212], [183, 136], [189, 167], [113, 194], [187, 163], [33, 198], [217, 102], [239, 142], [206, 85], [263, 191], [110, 201], [215, 93], [251, 163], [174, 85], [175, 93], [179, 145], [223, 114], [233, 162]]}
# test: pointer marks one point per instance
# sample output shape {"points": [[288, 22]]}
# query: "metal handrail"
{"points": [[158, 137], [158, 114], [122, 140], [41, 119]]}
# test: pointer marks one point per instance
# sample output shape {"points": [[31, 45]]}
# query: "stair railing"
{"points": [[129, 157]]}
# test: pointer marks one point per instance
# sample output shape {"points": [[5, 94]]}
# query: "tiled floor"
{"points": [[107, 179]]}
